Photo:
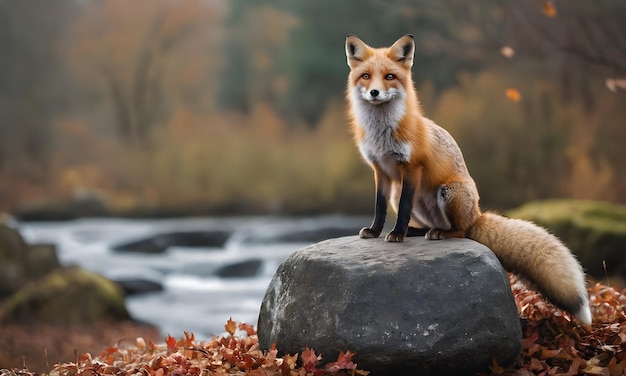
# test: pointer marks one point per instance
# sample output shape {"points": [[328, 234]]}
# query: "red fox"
{"points": [[420, 171]]}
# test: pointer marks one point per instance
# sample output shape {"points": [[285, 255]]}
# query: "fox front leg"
{"points": [[404, 213], [383, 185], [380, 213]]}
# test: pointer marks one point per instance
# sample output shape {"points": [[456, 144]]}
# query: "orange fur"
{"points": [[420, 171]]}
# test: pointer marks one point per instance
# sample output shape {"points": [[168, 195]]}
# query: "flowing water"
{"points": [[208, 269]]}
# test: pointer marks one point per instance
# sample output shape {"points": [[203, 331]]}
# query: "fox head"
{"points": [[380, 75]]}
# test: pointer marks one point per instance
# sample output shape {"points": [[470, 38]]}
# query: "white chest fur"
{"points": [[379, 123]]}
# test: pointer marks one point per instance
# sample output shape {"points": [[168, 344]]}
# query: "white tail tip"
{"points": [[584, 314]]}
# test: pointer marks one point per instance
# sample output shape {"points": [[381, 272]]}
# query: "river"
{"points": [[207, 269]]}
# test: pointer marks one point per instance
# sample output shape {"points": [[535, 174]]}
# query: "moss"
{"points": [[594, 231], [68, 296]]}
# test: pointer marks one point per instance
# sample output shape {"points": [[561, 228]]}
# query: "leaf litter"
{"points": [[236, 353], [553, 344]]}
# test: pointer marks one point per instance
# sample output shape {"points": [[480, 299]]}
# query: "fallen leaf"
{"points": [[140, 343], [495, 368], [548, 9], [247, 328], [344, 362], [230, 326], [189, 339], [288, 364], [513, 94], [310, 359], [171, 343]]}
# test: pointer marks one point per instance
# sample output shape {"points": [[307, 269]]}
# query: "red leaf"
{"points": [[309, 359], [248, 328], [151, 346], [189, 338], [171, 343], [108, 351], [344, 361], [289, 363], [107, 354]]}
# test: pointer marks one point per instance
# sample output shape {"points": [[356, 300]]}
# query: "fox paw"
{"points": [[394, 237], [368, 233], [435, 234]]}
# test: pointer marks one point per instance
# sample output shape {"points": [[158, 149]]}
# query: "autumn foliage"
{"points": [[553, 344], [236, 353], [211, 107]]}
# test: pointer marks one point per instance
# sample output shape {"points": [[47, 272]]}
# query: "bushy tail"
{"points": [[537, 256]]}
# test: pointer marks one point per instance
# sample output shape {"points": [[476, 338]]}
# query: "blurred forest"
{"points": [[217, 107]]}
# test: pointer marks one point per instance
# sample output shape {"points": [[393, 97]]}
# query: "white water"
{"points": [[193, 299]]}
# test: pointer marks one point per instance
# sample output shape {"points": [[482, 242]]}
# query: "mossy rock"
{"points": [[594, 231], [13, 256], [68, 296]]}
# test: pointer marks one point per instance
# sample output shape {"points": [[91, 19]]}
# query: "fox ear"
{"points": [[403, 50], [356, 50]]}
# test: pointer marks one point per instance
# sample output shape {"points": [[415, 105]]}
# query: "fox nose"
{"points": [[374, 93]]}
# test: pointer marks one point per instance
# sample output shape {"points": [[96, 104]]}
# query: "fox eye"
{"points": [[389, 76], [365, 76]]}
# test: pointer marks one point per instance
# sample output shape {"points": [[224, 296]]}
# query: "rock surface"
{"points": [[21, 262], [159, 243], [135, 286], [248, 268], [419, 307], [67, 296]]}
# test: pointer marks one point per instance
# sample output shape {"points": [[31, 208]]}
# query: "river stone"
{"points": [[67, 296], [21, 262], [13, 256], [419, 307]]}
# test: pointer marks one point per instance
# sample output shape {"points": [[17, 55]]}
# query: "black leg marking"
{"points": [[404, 213], [380, 213]]}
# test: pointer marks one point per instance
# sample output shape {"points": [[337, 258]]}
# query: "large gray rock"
{"points": [[418, 307]]}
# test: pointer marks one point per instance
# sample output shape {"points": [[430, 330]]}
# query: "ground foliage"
{"points": [[553, 344], [236, 353]]}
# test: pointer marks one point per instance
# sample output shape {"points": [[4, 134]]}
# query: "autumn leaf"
{"points": [[513, 94], [140, 343], [309, 359], [548, 9], [247, 328], [344, 361], [189, 339], [288, 364], [230, 326], [495, 368], [151, 346], [171, 343], [551, 345], [108, 354]]}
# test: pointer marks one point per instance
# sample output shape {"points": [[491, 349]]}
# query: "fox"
{"points": [[420, 172]]}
